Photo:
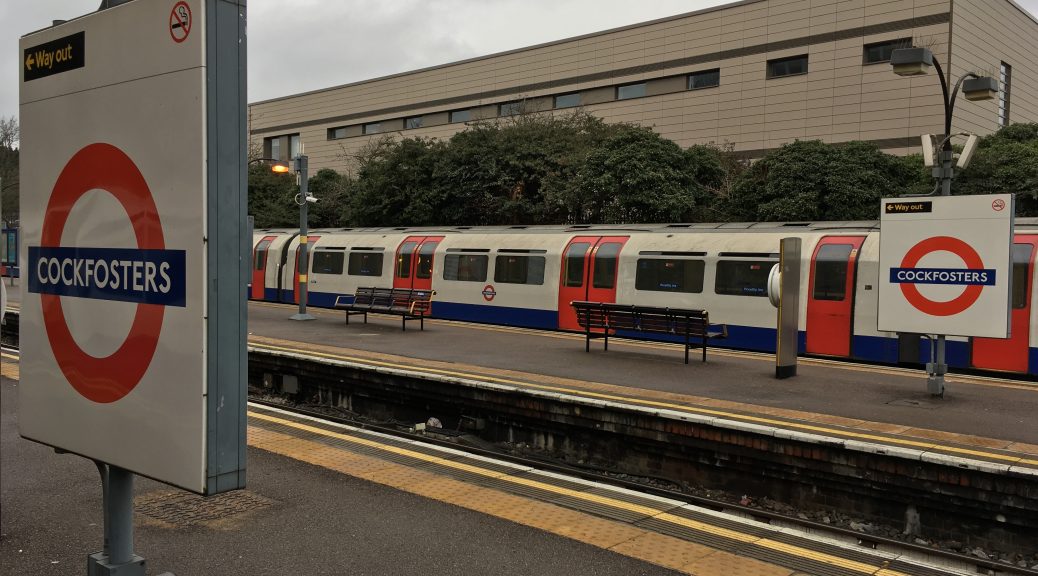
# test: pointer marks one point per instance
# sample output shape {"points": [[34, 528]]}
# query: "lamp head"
{"points": [[911, 61], [983, 88], [279, 168]]}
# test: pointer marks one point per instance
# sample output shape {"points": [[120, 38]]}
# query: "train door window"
{"points": [[328, 262], [260, 259], [605, 265], [365, 263], [1021, 260], [669, 275], [831, 271], [403, 260], [743, 277], [425, 260], [575, 264]]}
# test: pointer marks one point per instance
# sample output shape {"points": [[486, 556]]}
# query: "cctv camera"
{"points": [[311, 199]]}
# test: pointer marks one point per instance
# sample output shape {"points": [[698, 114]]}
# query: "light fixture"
{"points": [[982, 88], [911, 61]]}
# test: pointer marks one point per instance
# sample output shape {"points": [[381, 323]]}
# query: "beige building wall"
{"points": [[839, 99]]}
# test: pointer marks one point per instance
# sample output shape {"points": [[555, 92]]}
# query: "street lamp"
{"points": [[303, 199], [277, 166], [917, 62]]}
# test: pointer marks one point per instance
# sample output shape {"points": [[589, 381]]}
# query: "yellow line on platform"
{"points": [[668, 405], [762, 542]]}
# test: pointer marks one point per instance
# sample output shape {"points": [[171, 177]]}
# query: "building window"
{"points": [[513, 268], [743, 277], [465, 267], [1005, 73], [461, 115], [704, 79], [327, 262], [365, 263], [336, 133], [567, 100], [372, 128], [509, 109], [880, 51], [412, 122], [275, 147], [295, 147], [787, 66], [628, 91], [669, 275]]}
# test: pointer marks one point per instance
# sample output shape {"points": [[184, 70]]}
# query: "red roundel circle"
{"points": [[489, 292], [105, 167], [938, 244]]}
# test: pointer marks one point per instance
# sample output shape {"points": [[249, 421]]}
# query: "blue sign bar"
{"points": [[949, 276], [120, 274]]}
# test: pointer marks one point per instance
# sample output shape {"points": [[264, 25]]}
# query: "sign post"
{"points": [[133, 198], [945, 270]]}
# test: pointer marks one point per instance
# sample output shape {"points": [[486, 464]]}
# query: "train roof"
{"points": [[704, 227]]}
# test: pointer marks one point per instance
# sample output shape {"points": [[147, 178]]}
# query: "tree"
{"points": [[396, 185], [272, 198], [1005, 162], [332, 191], [811, 180], [9, 169], [636, 175]]}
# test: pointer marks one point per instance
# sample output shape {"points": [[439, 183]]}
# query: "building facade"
{"points": [[752, 75]]}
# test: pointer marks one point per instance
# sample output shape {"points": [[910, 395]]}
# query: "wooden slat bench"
{"points": [[599, 319], [409, 304]]}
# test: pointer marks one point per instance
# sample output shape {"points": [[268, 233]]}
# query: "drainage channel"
{"points": [[965, 508]]}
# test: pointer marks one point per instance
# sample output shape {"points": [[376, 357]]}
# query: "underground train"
{"points": [[527, 275]]}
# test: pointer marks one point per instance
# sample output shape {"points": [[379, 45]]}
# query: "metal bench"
{"points": [[600, 319], [409, 304]]}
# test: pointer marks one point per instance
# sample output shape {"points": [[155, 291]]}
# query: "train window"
{"points": [[1021, 279], [574, 262], [831, 271], [669, 275], [425, 260], [365, 264], [403, 260], [259, 261], [743, 277], [605, 265], [516, 269], [327, 262], [465, 267]]}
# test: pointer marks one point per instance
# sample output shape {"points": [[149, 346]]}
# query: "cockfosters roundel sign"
{"points": [[150, 276], [945, 265]]}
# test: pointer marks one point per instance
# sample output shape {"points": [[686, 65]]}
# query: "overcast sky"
{"points": [[300, 45]]}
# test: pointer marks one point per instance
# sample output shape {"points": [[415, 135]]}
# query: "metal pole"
{"points": [[939, 367], [117, 556], [304, 266]]}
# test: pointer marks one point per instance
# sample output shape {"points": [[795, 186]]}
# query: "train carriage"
{"points": [[526, 276]]}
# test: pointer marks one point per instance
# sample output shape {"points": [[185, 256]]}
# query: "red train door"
{"points": [[259, 267], [414, 262], [589, 271], [1011, 353], [830, 297], [310, 240]]}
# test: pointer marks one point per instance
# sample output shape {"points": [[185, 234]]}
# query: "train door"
{"points": [[414, 262], [589, 270], [259, 267], [1011, 354], [310, 241], [830, 297]]}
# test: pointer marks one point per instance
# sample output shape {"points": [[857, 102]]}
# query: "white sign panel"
{"points": [[944, 265], [114, 221]]}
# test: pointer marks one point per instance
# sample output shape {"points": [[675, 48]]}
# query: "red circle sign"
{"points": [[104, 167], [180, 21], [938, 244], [489, 292], [998, 205]]}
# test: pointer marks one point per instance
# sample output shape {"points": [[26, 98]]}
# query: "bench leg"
{"points": [[705, 339], [421, 322], [403, 323], [587, 337], [365, 317], [606, 342], [347, 317]]}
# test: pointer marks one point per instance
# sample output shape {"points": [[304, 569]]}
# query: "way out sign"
{"points": [[944, 265], [133, 316]]}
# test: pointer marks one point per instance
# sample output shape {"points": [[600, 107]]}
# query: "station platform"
{"points": [[323, 498], [980, 418]]}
